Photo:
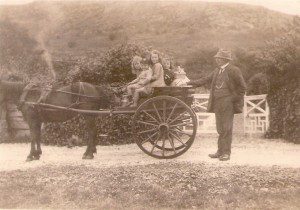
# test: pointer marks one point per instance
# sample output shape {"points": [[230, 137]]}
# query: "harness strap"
{"points": [[68, 92]]}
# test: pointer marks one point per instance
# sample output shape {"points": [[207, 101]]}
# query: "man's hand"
{"points": [[189, 83]]}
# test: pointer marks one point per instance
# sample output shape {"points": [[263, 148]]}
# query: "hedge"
{"points": [[114, 68], [281, 59], [110, 130]]}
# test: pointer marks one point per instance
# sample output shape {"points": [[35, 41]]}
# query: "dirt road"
{"points": [[245, 151], [262, 174]]}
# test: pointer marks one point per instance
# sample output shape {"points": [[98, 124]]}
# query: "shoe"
{"points": [[224, 157], [133, 105], [216, 155]]}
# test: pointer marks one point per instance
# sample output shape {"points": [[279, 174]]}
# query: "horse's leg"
{"points": [[38, 141], [32, 148], [35, 132], [92, 134]]}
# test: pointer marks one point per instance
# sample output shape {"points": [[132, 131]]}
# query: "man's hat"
{"points": [[225, 54]]}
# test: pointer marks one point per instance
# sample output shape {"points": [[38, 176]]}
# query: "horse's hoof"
{"points": [[36, 157], [87, 157], [29, 158]]}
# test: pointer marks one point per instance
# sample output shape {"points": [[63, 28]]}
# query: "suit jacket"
{"points": [[235, 82]]}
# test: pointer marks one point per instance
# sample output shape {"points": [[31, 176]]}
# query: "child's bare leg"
{"points": [[136, 95], [130, 89]]}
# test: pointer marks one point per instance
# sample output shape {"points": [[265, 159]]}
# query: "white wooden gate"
{"points": [[206, 121], [255, 114]]}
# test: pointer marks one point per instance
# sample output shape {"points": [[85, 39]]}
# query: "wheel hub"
{"points": [[163, 128]]}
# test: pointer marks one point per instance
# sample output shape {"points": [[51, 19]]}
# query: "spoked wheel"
{"points": [[164, 127]]}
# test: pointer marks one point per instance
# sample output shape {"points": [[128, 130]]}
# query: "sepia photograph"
{"points": [[150, 104]]}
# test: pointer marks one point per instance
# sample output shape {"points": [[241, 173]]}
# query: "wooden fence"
{"points": [[255, 114]]}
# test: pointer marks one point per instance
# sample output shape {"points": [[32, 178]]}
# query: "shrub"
{"points": [[257, 84], [86, 69], [113, 68], [249, 61], [281, 59], [117, 127], [200, 63], [117, 62]]}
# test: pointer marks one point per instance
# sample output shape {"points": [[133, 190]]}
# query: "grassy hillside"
{"points": [[178, 28]]}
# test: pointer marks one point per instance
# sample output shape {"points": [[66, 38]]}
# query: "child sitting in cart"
{"points": [[180, 78], [141, 84]]}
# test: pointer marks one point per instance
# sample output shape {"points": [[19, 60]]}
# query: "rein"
{"points": [[67, 92]]}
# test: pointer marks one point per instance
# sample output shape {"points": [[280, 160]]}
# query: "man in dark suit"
{"points": [[226, 99]]}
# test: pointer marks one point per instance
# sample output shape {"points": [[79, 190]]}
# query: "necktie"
{"points": [[220, 71]]}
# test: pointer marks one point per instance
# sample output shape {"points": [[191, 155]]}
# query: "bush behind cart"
{"points": [[114, 68]]}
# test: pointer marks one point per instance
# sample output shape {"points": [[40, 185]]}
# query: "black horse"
{"points": [[79, 95]]}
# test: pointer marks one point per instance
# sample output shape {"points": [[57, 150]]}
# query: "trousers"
{"points": [[224, 113]]}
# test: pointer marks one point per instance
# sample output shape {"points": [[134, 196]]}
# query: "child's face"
{"points": [[167, 64], [144, 67], [154, 58], [137, 65]]}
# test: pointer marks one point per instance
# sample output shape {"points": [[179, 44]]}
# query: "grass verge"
{"points": [[170, 185]]}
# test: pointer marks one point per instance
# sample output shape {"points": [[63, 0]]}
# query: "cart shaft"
{"points": [[82, 111]]}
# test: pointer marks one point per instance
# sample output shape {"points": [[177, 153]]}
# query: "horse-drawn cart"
{"points": [[159, 121], [164, 125]]}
